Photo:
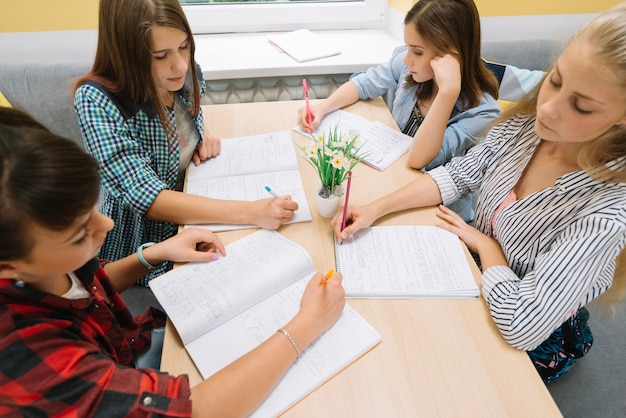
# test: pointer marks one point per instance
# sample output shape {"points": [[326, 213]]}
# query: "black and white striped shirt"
{"points": [[560, 243]]}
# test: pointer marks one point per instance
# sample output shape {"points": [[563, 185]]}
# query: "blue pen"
{"points": [[272, 192]]}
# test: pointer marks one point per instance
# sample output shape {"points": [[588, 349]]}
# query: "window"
{"points": [[219, 16]]}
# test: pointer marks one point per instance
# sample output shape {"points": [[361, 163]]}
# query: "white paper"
{"points": [[225, 308], [200, 296], [380, 144], [242, 170], [405, 261], [303, 45]]}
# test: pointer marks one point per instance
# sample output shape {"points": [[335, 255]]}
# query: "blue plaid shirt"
{"points": [[138, 159]]}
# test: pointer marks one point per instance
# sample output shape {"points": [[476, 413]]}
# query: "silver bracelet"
{"points": [[291, 340]]}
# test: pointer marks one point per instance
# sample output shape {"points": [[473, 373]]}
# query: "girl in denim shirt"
{"points": [[445, 97]]}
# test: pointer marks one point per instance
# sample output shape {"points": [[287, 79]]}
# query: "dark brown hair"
{"points": [[453, 26], [44, 178], [123, 62]]}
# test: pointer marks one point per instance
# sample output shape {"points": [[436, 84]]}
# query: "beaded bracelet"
{"points": [[293, 342], [142, 260]]}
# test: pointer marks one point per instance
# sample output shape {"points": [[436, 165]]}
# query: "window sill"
{"points": [[251, 55], [222, 56]]}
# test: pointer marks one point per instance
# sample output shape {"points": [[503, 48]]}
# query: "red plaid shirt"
{"points": [[74, 357]]}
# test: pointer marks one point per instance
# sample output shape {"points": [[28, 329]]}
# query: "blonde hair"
{"points": [[607, 33]]}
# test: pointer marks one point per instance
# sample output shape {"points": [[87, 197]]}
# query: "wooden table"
{"points": [[438, 358]]}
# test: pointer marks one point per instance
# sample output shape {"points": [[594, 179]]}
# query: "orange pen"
{"points": [[329, 275]]}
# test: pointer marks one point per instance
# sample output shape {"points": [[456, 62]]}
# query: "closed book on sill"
{"points": [[225, 308], [304, 45]]}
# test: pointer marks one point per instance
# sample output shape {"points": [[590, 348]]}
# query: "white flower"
{"points": [[339, 161]]}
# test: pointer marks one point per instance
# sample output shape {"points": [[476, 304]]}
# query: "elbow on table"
{"points": [[417, 162]]}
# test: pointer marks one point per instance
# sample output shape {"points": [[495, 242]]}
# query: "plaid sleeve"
{"points": [[53, 373], [123, 152]]}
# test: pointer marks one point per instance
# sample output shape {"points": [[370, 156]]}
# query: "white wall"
{"points": [[508, 28]]}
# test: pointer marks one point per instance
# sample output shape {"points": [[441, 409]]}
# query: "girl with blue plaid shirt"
{"points": [[140, 117]]}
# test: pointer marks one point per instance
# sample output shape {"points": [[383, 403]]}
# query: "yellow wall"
{"points": [[47, 15], [526, 7]]}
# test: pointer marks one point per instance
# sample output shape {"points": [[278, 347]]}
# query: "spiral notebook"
{"points": [[405, 261]]}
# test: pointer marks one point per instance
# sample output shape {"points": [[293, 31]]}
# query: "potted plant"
{"points": [[333, 155]]}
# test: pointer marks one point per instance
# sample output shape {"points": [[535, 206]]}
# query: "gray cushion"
{"points": [[535, 54], [45, 91]]}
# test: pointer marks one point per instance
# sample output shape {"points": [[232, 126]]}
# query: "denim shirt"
{"points": [[464, 129]]}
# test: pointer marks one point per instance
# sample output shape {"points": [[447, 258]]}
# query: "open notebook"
{"points": [[380, 144], [244, 167], [405, 261], [225, 308]]}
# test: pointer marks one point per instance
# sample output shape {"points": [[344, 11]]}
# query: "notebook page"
{"points": [[248, 155], [348, 339], [200, 296], [405, 261]]}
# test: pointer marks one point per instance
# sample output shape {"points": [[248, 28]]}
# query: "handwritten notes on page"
{"points": [[303, 45], [225, 308], [405, 262], [381, 144], [244, 167]]}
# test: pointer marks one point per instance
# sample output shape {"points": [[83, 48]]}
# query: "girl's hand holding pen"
{"points": [[272, 212], [322, 304], [316, 118], [357, 217]]}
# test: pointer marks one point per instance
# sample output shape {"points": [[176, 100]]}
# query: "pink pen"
{"points": [[308, 108], [345, 204]]}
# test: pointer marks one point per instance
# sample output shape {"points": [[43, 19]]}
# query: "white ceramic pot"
{"points": [[327, 207]]}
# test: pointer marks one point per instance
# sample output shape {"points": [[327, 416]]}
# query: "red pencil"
{"points": [[345, 204]]}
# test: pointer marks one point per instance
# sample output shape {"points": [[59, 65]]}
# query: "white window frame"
{"points": [[276, 17]]}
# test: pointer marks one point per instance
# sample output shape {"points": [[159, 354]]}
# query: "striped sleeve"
{"points": [[577, 267]]}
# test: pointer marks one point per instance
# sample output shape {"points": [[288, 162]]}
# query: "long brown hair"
{"points": [[453, 26], [44, 179], [123, 62]]}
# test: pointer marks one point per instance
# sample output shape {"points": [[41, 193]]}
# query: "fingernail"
{"points": [[215, 256], [344, 235]]}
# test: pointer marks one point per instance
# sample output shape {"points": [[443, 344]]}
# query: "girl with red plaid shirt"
{"points": [[67, 341]]}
